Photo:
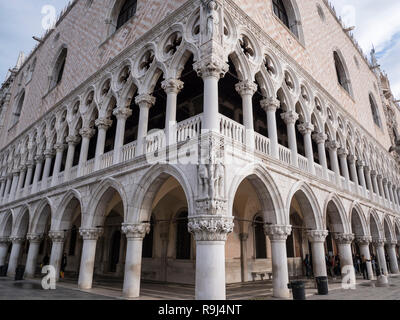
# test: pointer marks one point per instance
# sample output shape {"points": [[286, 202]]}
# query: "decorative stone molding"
{"points": [[378, 241], [305, 128], [91, 234], [360, 164], [172, 86], [4, 240], [352, 159], [49, 153], [333, 145], [246, 88], [87, 132], [320, 137], [270, 104], [73, 140], [290, 117], [122, 113], [211, 67], [135, 231], [364, 240], [17, 239], [210, 228], [57, 236], [344, 238], [343, 153], [277, 232], [59, 147], [39, 158], [317, 235], [34, 238], [211, 207], [103, 123], [145, 100], [373, 173]]}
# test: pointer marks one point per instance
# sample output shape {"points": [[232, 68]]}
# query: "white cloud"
{"points": [[377, 23]]}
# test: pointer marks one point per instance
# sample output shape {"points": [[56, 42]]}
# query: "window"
{"points": [[58, 69], [280, 12], [341, 72], [128, 11], [375, 112], [17, 113], [183, 237]]}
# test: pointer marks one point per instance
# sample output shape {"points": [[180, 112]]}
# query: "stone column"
{"points": [[343, 242], [28, 178], [306, 130], [342, 153], [211, 71], [135, 234], [38, 169], [375, 183], [17, 243], [380, 185], [290, 119], [49, 154], [395, 195], [87, 134], [320, 139], [391, 193], [90, 237], [172, 87], [270, 105], [386, 190], [246, 89], [4, 243], [57, 250], [391, 247], [353, 171], [369, 181], [360, 167], [34, 244], [22, 173], [363, 244], [2, 186], [379, 245], [278, 235], [243, 255], [102, 124], [145, 102], [317, 239], [59, 147], [72, 143], [8, 187], [333, 147], [14, 184], [122, 114], [210, 233]]}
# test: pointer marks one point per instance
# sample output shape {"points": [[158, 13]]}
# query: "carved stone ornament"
{"points": [[211, 207], [378, 241], [317, 235], [246, 88], [57, 236], [4, 240], [211, 68], [91, 234], [344, 238], [17, 239], [364, 240], [210, 228], [277, 232], [172, 86], [103, 123], [270, 104], [145, 100], [87, 132], [122, 113], [34, 237], [135, 231]]}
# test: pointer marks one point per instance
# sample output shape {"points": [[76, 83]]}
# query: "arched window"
{"points": [[341, 72], [58, 69], [128, 10], [280, 11], [259, 239], [183, 237], [288, 13], [18, 109], [375, 112]]}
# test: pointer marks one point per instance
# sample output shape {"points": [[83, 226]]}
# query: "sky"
{"points": [[377, 23]]}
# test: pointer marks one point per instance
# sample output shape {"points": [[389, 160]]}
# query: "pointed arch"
{"points": [[21, 221], [376, 227], [6, 223], [43, 211], [63, 215], [335, 210], [358, 222], [388, 229]]}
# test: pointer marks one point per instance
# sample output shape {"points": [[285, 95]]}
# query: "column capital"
{"points": [[91, 234], [378, 241], [385, 181], [34, 238], [391, 243], [243, 236], [103, 123], [290, 117], [317, 235], [333, 145], [210, 228], [343, 153], [270, 104], [344, 238], [379, 176], [49, 153], [352, 159], [172, 86], [320, 137], [145, 101], [59, 147], [73, 140], [4, 240], [373, 173], [360, 164], [39, 158], [30, 164], [57, 236], [306, 128], [87, 132], [135, 231], [277, 232], [364, 240], [122, 113], [22, 167], [211, 67], [367, 169], [246, 87], [17, 239]]}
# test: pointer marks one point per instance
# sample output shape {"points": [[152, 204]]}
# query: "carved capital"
{"points": [[136, 231], [211, 68], [246, 88], [145, 101], [57, 236], [343, 153], [364, 240], [305, 128], [17, 239], [344, 238], [270, 104], [290, 117], [49, 153], [391, 243], [59, 147], [320, 137], [103, 123], [39, 158], [73, 140], [4, 240], [373, 173], [87, 132], [385, 181], [210, 228], [378, 242], [360, 164], [91, 234], [172, 86], [317, 235], [34, 238], [333, 145], [122, 113], [212, 207], [277, 232]]}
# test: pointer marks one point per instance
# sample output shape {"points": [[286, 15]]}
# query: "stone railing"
{"points": [[189, 129], [231, 129], [262, 144], [285, 155]]}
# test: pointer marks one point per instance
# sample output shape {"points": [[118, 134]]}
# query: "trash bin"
{"points": [[3, 271], [322, 285], [298, 290], [19, 273]]}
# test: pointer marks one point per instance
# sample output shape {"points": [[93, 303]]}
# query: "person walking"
{"points": [[364, 267], [307, 265]]}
